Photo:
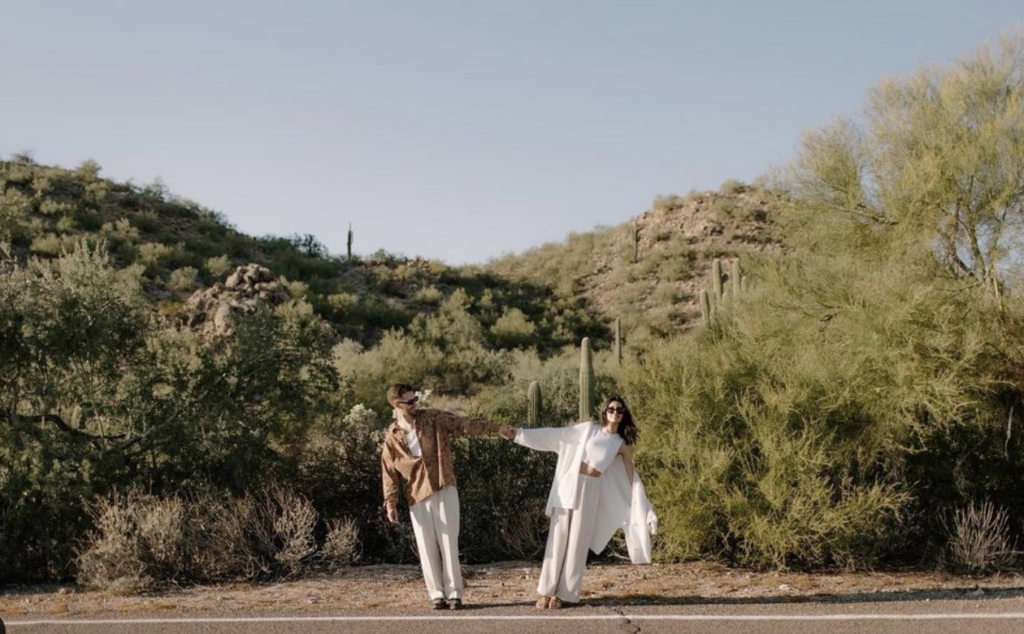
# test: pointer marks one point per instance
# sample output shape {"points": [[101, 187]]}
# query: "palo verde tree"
{"points": [[866, 384], [937, 158]]}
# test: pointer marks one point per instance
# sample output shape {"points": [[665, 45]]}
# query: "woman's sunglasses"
{"points": [[615, 410]]}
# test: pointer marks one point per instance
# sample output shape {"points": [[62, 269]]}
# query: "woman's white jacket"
{"points": [[622, 504]]}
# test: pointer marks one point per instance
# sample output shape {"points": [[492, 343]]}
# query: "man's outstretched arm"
{"points": [[457, 425]]}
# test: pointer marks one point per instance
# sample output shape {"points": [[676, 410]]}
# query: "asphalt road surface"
{"points": [[1003, 615]]}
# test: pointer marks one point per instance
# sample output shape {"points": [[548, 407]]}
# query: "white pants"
{"points": [[435, 521], [569, 537]]}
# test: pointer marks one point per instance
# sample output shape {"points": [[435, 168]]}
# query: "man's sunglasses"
{"points": [[411, 401]]}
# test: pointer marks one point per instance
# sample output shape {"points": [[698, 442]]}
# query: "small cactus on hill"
{"points": [[720, 295], [636, 242], [533, 410]]}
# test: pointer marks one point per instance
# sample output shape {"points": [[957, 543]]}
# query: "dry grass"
{"points": [[384, 588]]}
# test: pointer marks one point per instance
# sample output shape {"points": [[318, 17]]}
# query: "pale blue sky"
{"points": [[452, 130]]}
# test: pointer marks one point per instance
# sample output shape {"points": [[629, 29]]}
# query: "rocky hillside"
{"points": [[186, 253], [649, 270]]}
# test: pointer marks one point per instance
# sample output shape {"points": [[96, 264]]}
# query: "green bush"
{"points": [[218, 266], [184, 279], [832, 413], [513, 330]]}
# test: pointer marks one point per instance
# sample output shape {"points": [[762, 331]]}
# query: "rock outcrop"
{"points": [[248, 287]]}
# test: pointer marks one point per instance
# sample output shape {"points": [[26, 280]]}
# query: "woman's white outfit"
{"points": [[586, 511]]}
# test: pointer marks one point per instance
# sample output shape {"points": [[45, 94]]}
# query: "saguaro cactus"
{"points": [[716, 280], [618, 339], [533, 411], [350, 242], [586, 381], [734, 278], [636, 242], [718, 297], [705, 306]]}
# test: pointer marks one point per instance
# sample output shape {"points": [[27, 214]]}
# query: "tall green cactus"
{"points": [[636, 242], [716, 280], [586, 381], [719, 297], [705, 306], [350, 242], [618, 339], [734, 278], [533, 411]]}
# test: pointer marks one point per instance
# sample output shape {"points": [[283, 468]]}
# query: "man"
{"points": [[417, 451]]}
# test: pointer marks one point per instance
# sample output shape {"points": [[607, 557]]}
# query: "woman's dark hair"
{"points": [[627, 427]]}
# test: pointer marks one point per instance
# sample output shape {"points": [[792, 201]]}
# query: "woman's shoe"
{"points": [[542, 603], [555, 603]]}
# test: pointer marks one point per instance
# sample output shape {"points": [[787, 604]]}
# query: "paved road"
{"points": [[984, 616]]}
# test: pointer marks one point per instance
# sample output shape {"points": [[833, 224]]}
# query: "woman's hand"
{"points": [[507, 432]]}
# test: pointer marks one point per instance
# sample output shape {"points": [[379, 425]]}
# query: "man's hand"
{"points": [[393, 514], [506, 432]]}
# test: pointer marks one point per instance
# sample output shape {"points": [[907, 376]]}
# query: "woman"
{"points": [[595, 492]]}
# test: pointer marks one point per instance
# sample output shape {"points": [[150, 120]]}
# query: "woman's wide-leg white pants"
{"points": [[565, 556], [435, 522]]}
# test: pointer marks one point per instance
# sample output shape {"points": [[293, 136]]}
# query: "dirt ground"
{"points": [[372, 588]]}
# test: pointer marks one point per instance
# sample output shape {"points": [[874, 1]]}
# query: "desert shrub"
{"points": [[339, 469], [147, 221], [87, 171], [143, 541], [139, 541], [14, 208], [513, 330], [51, 207], [979, 538], [503, 489], [429, 295], [466, 361], [341, 546], [65, 224], [295, 288], [666, 294], [48, 244], [341, 303], [733, 187], [119, 231], [88, 219], [153, 254], [790, 421], [378, 315], [183, 279], [397, 358], [218, 266], [670, 201]]}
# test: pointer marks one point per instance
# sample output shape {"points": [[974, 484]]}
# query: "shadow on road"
{"points": [[963, 594]]}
